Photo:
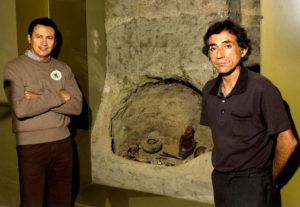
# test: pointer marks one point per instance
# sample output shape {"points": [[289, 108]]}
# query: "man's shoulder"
{"points": [[15, 64], [209, 84], [16, 60], [256, 76], [60, 64], [261, 84], [259, 80]]}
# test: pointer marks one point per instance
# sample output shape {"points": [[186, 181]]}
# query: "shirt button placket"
{"points": [[222, 112]]}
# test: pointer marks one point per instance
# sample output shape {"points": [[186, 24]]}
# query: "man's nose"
{"points": [[44, 41], [220, 53]]}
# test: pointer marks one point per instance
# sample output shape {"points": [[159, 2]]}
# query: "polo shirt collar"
{"points": [[240, 86]]}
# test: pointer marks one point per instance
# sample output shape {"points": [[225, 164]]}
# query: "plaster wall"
{"points": [[280, 63], [13, 37], [33, 10]]}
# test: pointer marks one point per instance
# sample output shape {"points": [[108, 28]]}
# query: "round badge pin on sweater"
{"points": [[56, 75]]}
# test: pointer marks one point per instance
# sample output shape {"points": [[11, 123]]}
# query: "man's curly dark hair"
{"points": [[234, 29]]}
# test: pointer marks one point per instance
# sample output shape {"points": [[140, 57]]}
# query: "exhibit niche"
{"points": [[147, 135]]}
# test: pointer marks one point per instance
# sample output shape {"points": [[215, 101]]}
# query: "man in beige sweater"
{"points": [[42, 92]]}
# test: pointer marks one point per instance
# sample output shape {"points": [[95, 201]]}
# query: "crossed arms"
{"points": [[27, 103]]}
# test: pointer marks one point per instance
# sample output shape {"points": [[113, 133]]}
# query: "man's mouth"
{"points": [[43, 48], [221, 63]]}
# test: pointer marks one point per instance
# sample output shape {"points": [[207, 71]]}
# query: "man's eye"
{"points": [[212, 49], [228, 46], [50, 37]]}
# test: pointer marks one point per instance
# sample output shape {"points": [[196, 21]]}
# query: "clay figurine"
{"points": [[187, 143]]}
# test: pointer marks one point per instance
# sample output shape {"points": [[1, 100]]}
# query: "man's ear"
{"points": [[244, 51], [29, 39]]}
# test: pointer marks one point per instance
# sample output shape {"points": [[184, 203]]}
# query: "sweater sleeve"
{"points": [[74, 105], [22, 107]]}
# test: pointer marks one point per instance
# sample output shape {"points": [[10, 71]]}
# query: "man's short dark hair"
{"points": [[42, 21], [234, 29]]}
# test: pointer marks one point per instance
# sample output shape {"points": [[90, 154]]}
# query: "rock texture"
{"points": [[155, 73]]}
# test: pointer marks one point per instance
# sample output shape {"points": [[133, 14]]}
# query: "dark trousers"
{"points": [[248, 188], [45, 173]]}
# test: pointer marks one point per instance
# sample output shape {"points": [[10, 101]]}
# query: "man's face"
{"points": [[224, 51], [42, 41]]}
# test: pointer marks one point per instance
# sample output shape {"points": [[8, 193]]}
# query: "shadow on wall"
{"points": [[81, 122], [294, 161], [5, 110], [254, 68], [56, 49]]}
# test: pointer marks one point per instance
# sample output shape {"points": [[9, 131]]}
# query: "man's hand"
{"points": [[65, 94], [29, 95]]}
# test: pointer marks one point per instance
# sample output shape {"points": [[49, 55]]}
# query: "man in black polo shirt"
{"points": [[250, 127]]}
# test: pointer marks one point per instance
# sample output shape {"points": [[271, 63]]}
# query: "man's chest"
{"points": [[44, 80], [237, 115]]}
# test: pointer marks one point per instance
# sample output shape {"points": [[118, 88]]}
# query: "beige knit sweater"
{"points": [[44, 118]]}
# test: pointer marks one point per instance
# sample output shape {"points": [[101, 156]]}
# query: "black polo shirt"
{"points": [[243, 123]]}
